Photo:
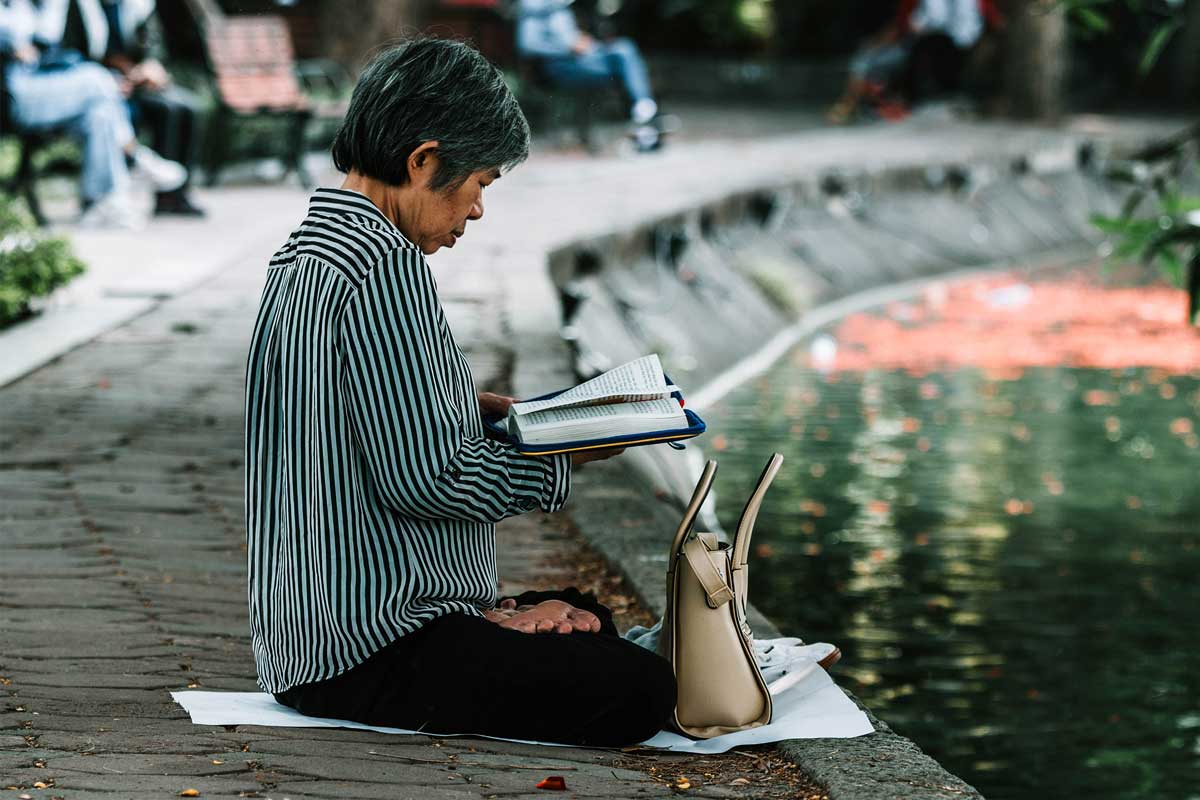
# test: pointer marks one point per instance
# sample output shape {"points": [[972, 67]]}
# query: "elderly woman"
{"points": [[372, 493]]}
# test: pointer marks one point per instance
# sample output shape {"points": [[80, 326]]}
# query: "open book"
{"points": [[631, 399]]}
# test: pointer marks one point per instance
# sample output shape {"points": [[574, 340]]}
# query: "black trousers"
{"points": [[171, 117], [463, 674]]}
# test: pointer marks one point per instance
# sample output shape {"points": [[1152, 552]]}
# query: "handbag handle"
{"points": [[745, 528], [716, 591], [693, 507]]}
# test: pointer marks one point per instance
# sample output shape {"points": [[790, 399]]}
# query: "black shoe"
{"points": [[177, 204]]}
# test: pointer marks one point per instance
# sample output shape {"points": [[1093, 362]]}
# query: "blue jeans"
{"points": [[618, 60], [85, 100]]}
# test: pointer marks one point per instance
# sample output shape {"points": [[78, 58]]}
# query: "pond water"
{"points": [[1008, 559]]}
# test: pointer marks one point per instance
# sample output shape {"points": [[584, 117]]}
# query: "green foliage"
{"points": [[1093, 17], [31, 265], [1165, 240]]}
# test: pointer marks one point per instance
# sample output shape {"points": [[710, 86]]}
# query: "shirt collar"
{"points": [[349, 202]]}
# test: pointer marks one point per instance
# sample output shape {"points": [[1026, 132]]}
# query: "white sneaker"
{"points": [[113, 211], [778, 657], [166, 175], [644, 110]]}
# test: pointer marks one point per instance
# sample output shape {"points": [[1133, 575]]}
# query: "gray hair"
{"points": [[425, 90]]}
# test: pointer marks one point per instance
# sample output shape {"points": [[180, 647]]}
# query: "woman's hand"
{"points": [[548, 616], [580, 457], [494, 405]]}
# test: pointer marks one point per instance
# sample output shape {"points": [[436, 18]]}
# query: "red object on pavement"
{"points": [[554, 783]]}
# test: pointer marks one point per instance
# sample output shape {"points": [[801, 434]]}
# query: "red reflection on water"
{"points": [[1005, 323]]}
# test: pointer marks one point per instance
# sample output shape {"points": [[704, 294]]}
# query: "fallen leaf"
{"points": [[554, 783], [190, 793], [739, 782], [218, 762], [41, 785], [683, 784]]}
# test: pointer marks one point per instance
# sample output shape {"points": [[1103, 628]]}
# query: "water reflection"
{"points": [[1008, 561]]}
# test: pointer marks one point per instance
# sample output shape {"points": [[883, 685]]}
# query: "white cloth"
{"points": [[958, 19], [812, 707]]}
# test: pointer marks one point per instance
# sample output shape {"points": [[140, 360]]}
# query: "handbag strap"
{"points": [[745, 528], [716, 591], [693, 507]]}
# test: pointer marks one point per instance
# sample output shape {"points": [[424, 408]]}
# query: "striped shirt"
{"points": [[371, 492]]}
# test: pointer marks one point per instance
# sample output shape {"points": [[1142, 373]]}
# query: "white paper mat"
{"points": [[814, 707]]}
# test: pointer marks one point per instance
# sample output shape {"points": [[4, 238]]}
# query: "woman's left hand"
{"points": [[494, 405]]}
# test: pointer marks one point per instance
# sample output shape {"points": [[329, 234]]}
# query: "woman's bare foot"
{"points": [[548, 616]]}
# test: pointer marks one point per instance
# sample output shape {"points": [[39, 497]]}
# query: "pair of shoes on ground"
{"points": [[778, 657], [117, 209]]}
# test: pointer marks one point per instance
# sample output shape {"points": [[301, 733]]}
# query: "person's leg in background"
{"points": [[85, 100], [617, 62], [172, 116], [626, 62]]}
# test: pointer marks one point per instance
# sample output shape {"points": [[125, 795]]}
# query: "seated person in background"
{"points": [[548, 33], [124, 35], [85, 100], [883, 62]]}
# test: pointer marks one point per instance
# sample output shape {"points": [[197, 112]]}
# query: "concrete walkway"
{"points": [[121, 529]]}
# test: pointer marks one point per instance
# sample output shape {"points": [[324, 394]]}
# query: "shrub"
{"points": [[31, 265]]}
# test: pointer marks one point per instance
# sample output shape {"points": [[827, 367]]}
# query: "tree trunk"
{"points": [[1035, 59]]}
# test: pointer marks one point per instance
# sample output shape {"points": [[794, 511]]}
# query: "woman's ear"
{"points": [[423, 163]]}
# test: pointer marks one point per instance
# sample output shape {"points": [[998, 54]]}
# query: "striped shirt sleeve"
{"points": [[399, 383]]}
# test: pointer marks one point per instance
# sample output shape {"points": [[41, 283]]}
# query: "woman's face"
{"points": [[437, 218]]}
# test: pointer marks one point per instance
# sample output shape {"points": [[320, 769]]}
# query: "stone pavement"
{"points": [[121, 541]]}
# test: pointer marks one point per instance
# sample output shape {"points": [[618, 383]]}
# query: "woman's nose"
{"points": [[476, 209]]}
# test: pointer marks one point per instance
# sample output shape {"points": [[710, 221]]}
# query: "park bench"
{"points": [[255, 75], [24, 179]]}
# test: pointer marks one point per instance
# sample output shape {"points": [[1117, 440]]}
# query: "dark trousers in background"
{"points": [[463, 674], [171, 117]]}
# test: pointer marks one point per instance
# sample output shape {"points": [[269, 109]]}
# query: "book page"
{"points": [[583, 423], [641, 379], [662, 408]]}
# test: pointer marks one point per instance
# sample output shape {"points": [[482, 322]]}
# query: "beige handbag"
{"points": [[705, 635]]}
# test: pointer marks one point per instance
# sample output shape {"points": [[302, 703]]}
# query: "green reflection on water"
{"points": [[1009, 567]]}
